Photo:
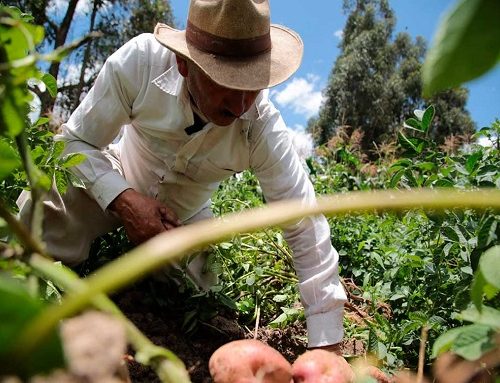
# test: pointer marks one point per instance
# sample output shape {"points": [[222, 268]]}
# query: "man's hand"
{"points": [[143, 217]]}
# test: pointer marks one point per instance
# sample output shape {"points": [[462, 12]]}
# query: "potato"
{"points": [[321, 366], [249, 361]]}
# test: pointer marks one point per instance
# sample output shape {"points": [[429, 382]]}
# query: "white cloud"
{"points": [[302, 95], [71, 73], [58, 7], [485, 141], [302, 141], [339, 34]]}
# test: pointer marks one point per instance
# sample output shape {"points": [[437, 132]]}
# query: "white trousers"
{"points": [[71, 222]]}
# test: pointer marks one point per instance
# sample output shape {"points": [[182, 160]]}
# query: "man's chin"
{"points": [[223, 121]]}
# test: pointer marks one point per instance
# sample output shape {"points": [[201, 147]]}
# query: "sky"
{"points": [[320, 24]]}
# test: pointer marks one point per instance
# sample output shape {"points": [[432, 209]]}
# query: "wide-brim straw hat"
{"points": [[234, 43]]}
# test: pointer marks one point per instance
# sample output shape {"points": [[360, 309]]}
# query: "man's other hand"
{"points": [[143, 217]]}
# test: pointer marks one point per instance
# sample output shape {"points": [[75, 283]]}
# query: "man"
{"points": [[193, 111]]}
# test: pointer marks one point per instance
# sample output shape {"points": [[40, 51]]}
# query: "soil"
{"points": [[159, 312], [164, 327]]}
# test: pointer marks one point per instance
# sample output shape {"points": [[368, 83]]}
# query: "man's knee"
{"points": [[70, 223]]}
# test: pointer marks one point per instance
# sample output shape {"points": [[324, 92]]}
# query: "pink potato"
{"points": [[321, 366], [249, 361]]}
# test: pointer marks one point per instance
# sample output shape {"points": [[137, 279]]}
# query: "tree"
{"points": [[375, 83], [116, 20]]}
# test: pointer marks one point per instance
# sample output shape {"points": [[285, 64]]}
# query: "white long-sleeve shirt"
{"points": [[140, 89]]}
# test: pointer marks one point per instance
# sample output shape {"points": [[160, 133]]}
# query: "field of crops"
{"points": [[417, 231]]}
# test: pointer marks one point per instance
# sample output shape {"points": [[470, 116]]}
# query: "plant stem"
{"points": [[165, 362], [36, 214], [170, 245], [20, 231], [421, 354]]}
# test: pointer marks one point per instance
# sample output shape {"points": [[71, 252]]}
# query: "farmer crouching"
{"points": [[193, 110]]}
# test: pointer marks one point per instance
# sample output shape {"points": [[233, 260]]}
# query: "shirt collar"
{"points": [[170, 81]]}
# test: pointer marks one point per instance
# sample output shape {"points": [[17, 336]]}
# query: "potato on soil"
{"points": [[249, 361], [321, 366]]}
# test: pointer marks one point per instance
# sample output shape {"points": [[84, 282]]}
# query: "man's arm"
{"points": [[95, 123], [282, 176]]}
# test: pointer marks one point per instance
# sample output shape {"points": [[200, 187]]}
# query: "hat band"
{"points": [[223, 46]]}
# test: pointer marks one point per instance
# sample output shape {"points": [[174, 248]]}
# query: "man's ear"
{"points": [[182, 65]]}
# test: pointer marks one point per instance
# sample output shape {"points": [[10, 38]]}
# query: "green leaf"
{"points": [[75, 181], [9, 160], [473, 341], [412, 144], [489, 264], [420, 317], [486, 232], [41, 179], [17, 308], [57, 149], [13, 112], [477, 289], [472, 161], [61, 182], [427, 118], [73, 159], [444, 182], [414, 124], [419, 113], [488, 316], [396, 177], [280, 298], [280, 319], [466, 45], [427, 166], [227, 301], [42, 121], [444, 342], [51, 83]]}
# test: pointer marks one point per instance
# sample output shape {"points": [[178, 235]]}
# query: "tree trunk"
{"points": [[86, 57]]}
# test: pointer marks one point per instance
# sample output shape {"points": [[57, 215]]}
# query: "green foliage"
{"points": [[256, 270], [473, 341], [17, 308], [414, 269], [466, 45], [41, 156], [375, 83], [27, 144], [17, 39], [116, 22]]}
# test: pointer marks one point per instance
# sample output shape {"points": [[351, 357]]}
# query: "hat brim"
{"points": [[249, 73]]}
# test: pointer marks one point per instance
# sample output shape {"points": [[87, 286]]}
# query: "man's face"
{"points": [[219, 104]]}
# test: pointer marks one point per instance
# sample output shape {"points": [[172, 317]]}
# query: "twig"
{"points": [[166, 364], [421, 353], [257, 320], [20, 231], [32, 173]]}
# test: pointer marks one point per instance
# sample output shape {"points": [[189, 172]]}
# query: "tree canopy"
{"points": [[375, 83], [116, 21]]}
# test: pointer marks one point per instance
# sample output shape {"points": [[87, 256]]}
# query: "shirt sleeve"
{"points": [[98, 120], [282, 176]]}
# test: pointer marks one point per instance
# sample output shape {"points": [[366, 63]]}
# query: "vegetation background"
{"points": [[403, 271]]}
